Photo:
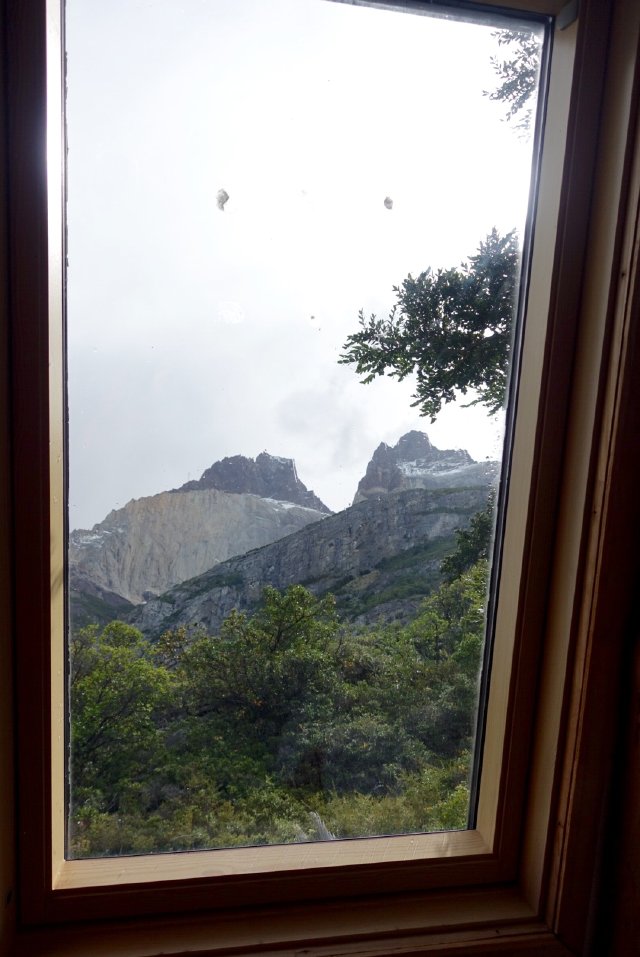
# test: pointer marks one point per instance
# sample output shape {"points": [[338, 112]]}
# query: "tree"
{"points": [[448, 635], [519, 75], [116, 695], [472, 543], [451, 328], [259, 672], [282, 719]]}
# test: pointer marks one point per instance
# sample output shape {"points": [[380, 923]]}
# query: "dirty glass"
{"points": [[295, 235]]}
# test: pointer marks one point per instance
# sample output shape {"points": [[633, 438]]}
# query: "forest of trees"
{"points": [[286, 726]]}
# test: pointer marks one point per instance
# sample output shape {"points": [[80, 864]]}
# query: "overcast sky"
{"points": [[197, 333]]}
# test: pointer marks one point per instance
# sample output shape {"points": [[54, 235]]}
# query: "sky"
{"points": [[196, 332]]}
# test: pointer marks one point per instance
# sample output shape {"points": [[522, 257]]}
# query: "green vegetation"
{"points": [[395, 586], [518, 73], [472, 543], [450, 328], [418, 553], [90, 609], [285, 726]]}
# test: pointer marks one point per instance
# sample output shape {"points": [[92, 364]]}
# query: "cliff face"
{"points": [[268, 476], [352, 554], [153, 543], [240, 505], [415, 463]]}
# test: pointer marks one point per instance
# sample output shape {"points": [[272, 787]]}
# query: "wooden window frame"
{"points": [[523, 881]]}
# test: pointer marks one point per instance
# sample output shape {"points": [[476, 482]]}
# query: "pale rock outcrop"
{"points": [[345, 547], [155, 542]]}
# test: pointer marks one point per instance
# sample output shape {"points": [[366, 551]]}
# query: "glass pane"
{"points": [[278, 575]]}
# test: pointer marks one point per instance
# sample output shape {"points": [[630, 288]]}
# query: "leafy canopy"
{"points": [[472, 543], [451, 328], [117, 698], [518, 74], [287, 725]]}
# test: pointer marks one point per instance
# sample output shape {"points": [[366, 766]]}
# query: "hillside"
{"points": [[379, 558], [155, 542]]}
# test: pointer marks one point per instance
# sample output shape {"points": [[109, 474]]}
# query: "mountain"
{"points": [[219, 533], [415, 463], [268, 476], [379, 557], [152, 543], [91, 604]]}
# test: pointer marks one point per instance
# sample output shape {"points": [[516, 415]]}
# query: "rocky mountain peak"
{"points": [[414, 445], [269, 476], [414, 462]]}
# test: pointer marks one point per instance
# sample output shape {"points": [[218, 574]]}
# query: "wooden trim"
{"points": [[618, 893], [226, 863], [184, 885], [571, 400], [607, 606], [530, 939], [57, 378], [7, 802], [419, 924], [28, 285], [520, 619], [525, 912], [219, 877]]}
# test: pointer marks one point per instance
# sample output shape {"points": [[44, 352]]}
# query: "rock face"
{"points": [[412, 497], [268, 476], [348, 553], [153, 543], [415, 463], [90, 604]]}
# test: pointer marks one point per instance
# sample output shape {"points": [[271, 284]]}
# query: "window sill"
{"points": [[487, 921]]}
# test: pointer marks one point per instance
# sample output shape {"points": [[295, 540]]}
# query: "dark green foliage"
{"points": [[117, 696], [451, 328], [472, 543], [449, 635], [518, 74], [285, 726], [87, 609], [259, 671]]}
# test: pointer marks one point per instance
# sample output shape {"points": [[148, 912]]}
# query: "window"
{"points": [[198, 328], [503, 864]]}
